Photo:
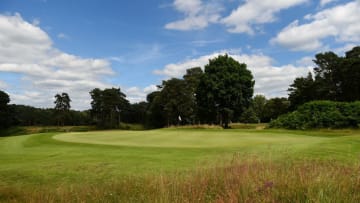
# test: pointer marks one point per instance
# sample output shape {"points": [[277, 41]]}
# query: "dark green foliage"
{"points": [[274, 108], [106, 106], [175, 102], [5, 111], [155, 116], [258, 105], [135, 113], [328, 76], [178, 102], [62, 107], [249, 116], [321, 114], [350, 76], [173, 105], [302, 91], [335, 78], [192, 79], [31, 116], [224, 91], [217, 96]]}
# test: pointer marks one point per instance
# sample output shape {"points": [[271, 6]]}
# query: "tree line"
{"points": [[335, 79], [221, 94]]}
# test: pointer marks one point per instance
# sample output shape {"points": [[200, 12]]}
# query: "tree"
{"points": [[335, 78], [275, 107], [175, 102], [224, 91], [249, 116], [192, 79], [178, 102], [135, 113], [301, 91], [62, 107], [5, 113], [155, 115], [106, 106], [350, 76], [327, 76], [258, 105]]}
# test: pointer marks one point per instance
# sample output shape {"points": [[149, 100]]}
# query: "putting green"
{"points": [[186, 138]]}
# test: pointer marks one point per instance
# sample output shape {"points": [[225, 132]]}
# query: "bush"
{"points": [[321, 114], [249, 116]]}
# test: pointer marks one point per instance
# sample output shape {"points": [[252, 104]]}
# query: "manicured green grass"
{"points": [[99, 158], [341, 144]]}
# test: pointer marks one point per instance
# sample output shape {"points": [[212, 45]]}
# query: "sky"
{"points": [[51, 46]]}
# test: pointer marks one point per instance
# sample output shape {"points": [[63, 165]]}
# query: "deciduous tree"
{"points": [[225, 90]]}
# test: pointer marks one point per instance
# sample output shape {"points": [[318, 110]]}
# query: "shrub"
{"points": [[321, 114]]}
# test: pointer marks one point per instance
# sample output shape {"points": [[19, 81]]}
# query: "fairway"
{"points": [[97, 157]]}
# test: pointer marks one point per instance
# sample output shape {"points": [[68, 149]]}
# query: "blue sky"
{"points": [[48, 46]]}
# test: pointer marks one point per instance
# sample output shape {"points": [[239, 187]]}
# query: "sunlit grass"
{"points": [[182, 165]]}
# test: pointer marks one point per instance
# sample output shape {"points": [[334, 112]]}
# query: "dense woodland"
{"points": [[221, 94]]}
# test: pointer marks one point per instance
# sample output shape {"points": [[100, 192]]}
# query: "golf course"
{"points": [[182, 165]]}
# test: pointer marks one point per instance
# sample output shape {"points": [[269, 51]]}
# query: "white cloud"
{"points": [[256, 12], [135, 94], [343, 49], [270, 80], [28, 51], [150, 88], [198, 15], [341, 23], [305, 61]]}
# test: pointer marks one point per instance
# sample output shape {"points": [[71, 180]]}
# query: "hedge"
{"points": [[321, 114]]}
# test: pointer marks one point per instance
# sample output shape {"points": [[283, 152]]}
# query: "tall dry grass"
{"points": [[250, 180]]}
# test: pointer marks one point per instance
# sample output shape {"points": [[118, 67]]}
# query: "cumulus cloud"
{"points": [[197, 15], [136, 94], [270, 80], [343, 49], [305, 61], [256, 12], [341, 23], [28, 51]]}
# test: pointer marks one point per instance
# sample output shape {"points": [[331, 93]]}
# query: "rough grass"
{"points": [[25, 130], [242, 181], [182, 165]]}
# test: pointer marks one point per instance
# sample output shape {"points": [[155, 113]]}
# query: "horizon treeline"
{"points": [[220, 94]]}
